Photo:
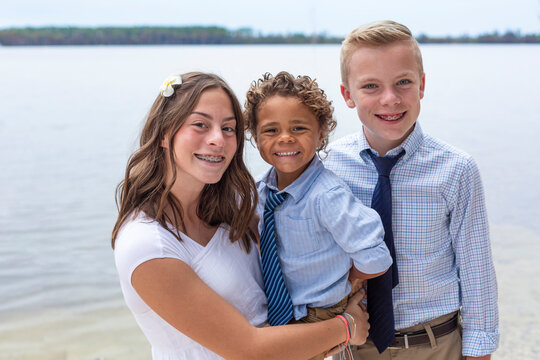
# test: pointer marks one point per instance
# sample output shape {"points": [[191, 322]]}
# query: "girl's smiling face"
{"points": [[206, 143]]}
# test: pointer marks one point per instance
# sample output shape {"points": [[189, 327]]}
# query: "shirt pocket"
{"points": [[302, 237]]}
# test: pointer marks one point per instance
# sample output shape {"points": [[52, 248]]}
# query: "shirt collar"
{"points": [[298, 188], [410, 144]]}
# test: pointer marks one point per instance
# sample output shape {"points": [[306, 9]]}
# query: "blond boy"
{"points": [[438, 217]]}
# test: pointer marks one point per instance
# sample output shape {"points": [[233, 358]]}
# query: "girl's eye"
{"points": [[199, 124], [269, 130], [299, 128], [404, 82], [229, 129]]}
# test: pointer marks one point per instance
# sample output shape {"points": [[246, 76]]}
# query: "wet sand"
{"points": [[58, 335]]}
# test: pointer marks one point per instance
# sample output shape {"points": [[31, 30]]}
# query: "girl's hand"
{"points": [[357, 310]]}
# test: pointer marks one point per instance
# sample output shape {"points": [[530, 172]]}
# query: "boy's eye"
{"points": [[269, 130], [404, 82], [369, 86], [299, 128]]}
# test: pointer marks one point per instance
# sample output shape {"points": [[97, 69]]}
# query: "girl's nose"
{"points": [[215, 137]]}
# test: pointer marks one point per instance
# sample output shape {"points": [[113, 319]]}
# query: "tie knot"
{"points": [[385, 164], [273, 200]]}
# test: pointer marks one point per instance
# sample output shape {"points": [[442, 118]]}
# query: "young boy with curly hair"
{"points": [[322, 232]]}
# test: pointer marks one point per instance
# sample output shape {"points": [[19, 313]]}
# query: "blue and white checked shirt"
{"points": [[440, 233], [321, 228]]}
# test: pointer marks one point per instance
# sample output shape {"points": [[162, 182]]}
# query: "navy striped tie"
{"points": [[279, 301], [379, 294]]}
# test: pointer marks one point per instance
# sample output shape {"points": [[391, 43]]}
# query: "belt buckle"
{"points": [[405, 340]]}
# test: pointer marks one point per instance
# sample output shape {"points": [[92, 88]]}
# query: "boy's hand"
{"points": [[357, 280], [357, 284]]}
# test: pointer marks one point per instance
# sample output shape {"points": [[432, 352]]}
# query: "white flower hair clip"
{"points": [[166, 88]]}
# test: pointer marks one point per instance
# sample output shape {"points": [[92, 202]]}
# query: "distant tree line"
{"points": [[192, 35], [508, 37]]}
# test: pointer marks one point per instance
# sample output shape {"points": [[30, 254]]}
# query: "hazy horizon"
{"points": [[333, 18]]}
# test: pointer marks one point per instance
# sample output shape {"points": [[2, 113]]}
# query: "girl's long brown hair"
{"points": [[145, 187]]}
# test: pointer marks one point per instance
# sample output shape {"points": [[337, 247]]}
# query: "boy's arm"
{"points": [[355, 274], [470, 241], [359, 279], [357, 229]]}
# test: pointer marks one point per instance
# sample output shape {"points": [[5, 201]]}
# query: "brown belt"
{"points": [[405, 340]]}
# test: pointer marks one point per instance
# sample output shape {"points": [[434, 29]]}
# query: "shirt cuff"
{"points": [[373, 260], [479, 343]]}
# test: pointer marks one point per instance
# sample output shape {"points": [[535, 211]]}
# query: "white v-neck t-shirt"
{"points": [[222, 265]]}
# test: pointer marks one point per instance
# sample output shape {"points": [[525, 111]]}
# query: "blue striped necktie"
{"points": [[379, 294], [279, 301]]}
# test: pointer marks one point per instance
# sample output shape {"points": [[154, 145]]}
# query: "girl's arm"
{"points": [[175, 292]]}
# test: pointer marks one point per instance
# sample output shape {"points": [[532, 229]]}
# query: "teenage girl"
{"points": [[186, 254]]}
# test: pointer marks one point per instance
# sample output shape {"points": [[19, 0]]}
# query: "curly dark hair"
{"points": [[284, 84]]}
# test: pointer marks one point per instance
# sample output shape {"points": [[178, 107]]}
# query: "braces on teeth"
{"points": [[210, 158], [394, 117]]}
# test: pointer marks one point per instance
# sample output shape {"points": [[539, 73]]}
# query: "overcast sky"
{"points": [[432, 17]]}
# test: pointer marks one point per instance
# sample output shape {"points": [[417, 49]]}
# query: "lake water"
{"points": [[69, 118]]}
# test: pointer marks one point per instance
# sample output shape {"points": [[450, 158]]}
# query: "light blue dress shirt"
{"points": [[440, 230], [321, 229]]}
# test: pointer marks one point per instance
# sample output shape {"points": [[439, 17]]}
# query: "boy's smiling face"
{"points": [[288, 135], [385, 86]]}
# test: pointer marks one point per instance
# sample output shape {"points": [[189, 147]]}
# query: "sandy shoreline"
{"points": [[110, 332], [59, 335]]}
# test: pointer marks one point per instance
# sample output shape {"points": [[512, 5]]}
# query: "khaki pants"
{"points": [[447, 347], [320, 314]]}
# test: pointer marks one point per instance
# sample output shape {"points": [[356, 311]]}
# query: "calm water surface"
{"points": [[69, 118]]}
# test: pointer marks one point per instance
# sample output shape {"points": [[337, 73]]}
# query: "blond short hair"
{"points": [[375, 34]]}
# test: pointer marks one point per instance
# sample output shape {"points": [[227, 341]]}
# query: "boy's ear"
{"points": [[422, 85], [322, 135], [347, 96]]}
